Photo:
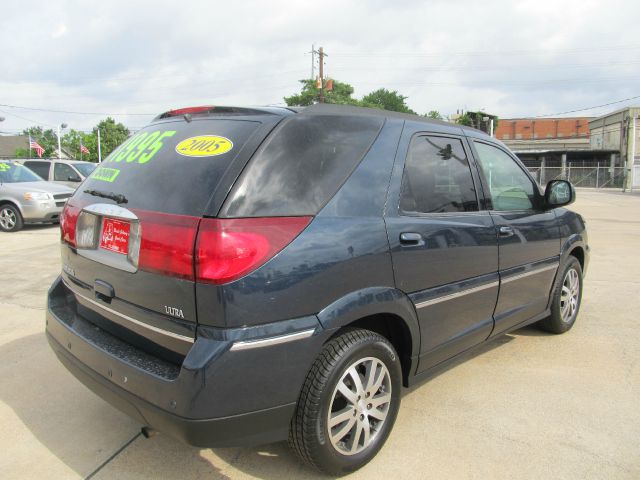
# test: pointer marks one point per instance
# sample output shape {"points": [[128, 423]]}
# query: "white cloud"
{"points": [[59, 31], [513, 58]]}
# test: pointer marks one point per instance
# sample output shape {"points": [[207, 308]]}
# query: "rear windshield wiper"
{"points": [[116, 197]]}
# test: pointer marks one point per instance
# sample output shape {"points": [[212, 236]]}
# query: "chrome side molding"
{"points": [[268, 342]]}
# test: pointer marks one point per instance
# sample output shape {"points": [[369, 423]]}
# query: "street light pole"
{"points": [[61, 125]]}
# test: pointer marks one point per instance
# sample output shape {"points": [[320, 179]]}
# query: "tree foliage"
{"points": [[434, 114], [465, 119], [47, 138], [386, 100], [342, 94], [310, 94], [112, 134]]}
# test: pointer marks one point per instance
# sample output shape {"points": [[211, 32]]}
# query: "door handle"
{"points": [[505, 232], [411, 238]]}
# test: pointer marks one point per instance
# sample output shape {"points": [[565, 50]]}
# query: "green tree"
{"points": [[310, 94], [112, 135], [434, 114], [47, 138], [386, 100], [465, 119], [71, 142]]}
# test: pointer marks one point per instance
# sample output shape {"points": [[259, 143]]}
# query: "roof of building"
{"points": [[9, 144]]}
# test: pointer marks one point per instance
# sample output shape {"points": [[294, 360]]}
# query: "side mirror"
{"points": [[73, 178], [559, 193]]}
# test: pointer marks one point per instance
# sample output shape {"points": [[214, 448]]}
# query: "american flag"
{"points": [[33, 145], [83, 149]]}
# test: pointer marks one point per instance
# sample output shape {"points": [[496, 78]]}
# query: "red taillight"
{"points": [[68, 221], [228, 249], [166, 244]]}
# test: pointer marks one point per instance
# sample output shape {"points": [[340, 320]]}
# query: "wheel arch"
{"points": [[6, 201], [386, 311], [575, 246]]}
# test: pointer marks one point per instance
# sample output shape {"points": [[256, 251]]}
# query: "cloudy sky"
{"points": [[131, 60]]}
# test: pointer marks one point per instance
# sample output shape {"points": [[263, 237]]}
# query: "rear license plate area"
{"points": [[115, 235]]}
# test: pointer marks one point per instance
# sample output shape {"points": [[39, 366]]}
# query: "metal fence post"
{"points": [[569, 173], [597, 174]]}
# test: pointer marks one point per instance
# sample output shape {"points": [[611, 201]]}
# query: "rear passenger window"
{"points": [[39, 168], [302, 165], [437, 177]]}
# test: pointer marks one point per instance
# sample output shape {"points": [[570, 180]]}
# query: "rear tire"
{"points": [[10, 218], [348, 404], [567, 298]]}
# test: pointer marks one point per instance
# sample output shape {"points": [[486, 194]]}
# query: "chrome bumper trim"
{"points": [[267, 342], [161, 331]]}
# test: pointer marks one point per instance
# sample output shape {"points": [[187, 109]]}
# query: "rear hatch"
{"points": [[130, 229]]}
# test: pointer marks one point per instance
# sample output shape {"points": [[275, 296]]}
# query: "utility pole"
{"points": [[321, 56], [99, 149], [633, 153], [313, 62]]}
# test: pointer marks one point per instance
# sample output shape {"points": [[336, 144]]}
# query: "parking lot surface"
{"points": [[529, 405]]}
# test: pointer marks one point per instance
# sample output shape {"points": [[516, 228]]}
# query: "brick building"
{"points": [[539, 128], [551, 147]]}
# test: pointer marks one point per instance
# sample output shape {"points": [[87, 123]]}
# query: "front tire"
{"points": [[10, 218], [567, 298], [348, 404]]}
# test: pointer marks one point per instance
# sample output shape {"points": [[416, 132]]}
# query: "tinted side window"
{"points": [[510, 187], [40, 168], [63, 172], [437, 177], [301, 165]]}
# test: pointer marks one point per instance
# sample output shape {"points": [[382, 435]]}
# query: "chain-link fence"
{"points": [[595, 177]]}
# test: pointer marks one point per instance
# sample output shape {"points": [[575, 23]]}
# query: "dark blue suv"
{"points": [[237, 276]]}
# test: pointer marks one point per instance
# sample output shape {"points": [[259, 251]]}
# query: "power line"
{"points": [[587, 108], [537, 51], [68, 111], [25, 118]]}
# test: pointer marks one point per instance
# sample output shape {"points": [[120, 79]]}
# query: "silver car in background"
{"points": [[64, 172], [26, 198]]}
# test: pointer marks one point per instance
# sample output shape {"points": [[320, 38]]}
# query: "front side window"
{"points": [[64, 173], [510, 187], [437, 177]]}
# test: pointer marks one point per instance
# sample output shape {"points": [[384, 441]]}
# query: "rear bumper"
{"points": [[219, 395], [252, 428]]}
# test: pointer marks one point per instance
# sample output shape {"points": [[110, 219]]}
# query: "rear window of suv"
{"points": [[302, 165], [171, 167]]}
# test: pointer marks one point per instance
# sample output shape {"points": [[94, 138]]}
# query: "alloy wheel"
{"points": [[7, 218], [359, 406], [570, 295]]}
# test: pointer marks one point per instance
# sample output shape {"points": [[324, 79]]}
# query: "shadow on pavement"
{"points": [[72, 423], [531, 331], [83, 431], [39, 226]]}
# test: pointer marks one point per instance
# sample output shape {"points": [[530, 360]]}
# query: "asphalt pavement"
{"points": [[528, 406]]}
